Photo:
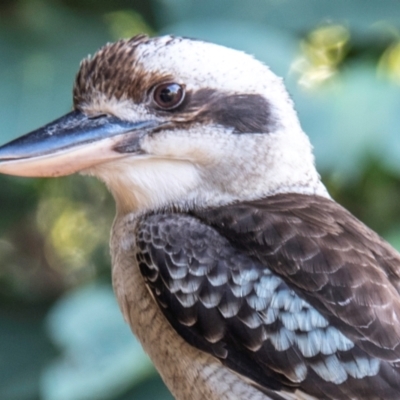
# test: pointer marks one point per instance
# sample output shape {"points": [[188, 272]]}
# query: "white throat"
{"points": [[222, 169]]}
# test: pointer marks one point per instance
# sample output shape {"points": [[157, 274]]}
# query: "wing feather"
{"points": [[325, 254], [246, 284]]}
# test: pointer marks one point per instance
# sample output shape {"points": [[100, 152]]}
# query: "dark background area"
{"points": [[61, 333]]}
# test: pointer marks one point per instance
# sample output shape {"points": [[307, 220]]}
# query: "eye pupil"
{"points": [[168, 95]]}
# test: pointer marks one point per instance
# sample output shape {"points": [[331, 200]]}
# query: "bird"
{"points": [[236, 270]]}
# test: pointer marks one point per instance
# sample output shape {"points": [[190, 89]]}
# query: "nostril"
{"points": [[97, 116]]}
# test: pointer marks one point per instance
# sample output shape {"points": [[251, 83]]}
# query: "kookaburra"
{"points": [[237, 272]]}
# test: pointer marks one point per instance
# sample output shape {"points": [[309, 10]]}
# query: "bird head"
{"points": [[171, 121]]}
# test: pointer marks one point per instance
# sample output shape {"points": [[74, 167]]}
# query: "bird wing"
{"points": [[327, 256], [236, 283]]}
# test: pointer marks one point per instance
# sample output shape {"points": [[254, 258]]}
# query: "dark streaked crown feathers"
{"points": [[111, 71]]}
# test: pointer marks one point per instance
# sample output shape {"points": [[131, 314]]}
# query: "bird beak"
{"points": [[70, 144]]}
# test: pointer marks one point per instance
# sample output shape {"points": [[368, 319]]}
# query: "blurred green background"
{"points": [[61, 333]]}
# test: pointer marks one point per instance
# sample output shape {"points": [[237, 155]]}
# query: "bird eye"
{"points": [[168, 95]]}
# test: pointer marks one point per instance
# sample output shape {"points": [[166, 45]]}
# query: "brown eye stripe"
{"points": [[245, 113]]}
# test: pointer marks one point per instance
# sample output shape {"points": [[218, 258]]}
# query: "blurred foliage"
{"points": [[99, 361], [322, 52], [61, 334]]}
